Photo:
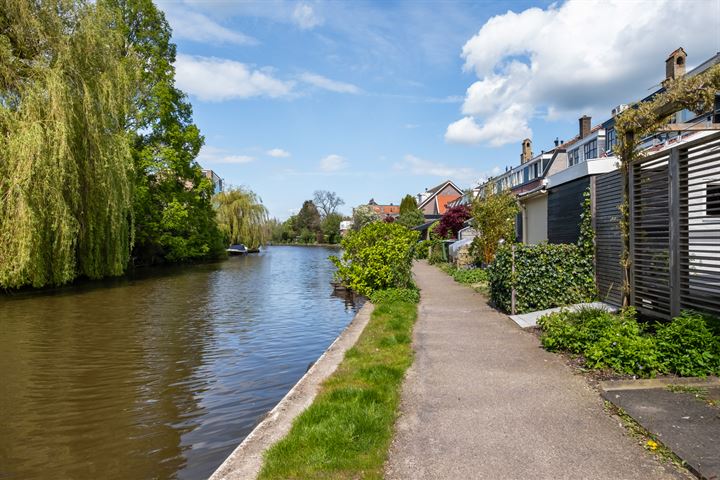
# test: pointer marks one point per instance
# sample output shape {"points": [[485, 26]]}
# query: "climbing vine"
{"points": [[697, 94]]}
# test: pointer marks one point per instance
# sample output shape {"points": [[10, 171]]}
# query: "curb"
{"points": [[246, 461]]}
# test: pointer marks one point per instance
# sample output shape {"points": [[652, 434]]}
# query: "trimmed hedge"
{"points": [[546, 276]]}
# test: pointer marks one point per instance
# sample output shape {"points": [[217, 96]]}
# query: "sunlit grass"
{"points": [[346, 432]]}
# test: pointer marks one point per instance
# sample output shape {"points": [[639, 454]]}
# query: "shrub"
{"points": [[469, 275], [687, 346], [421, 249], [575, 331], [546, 276], [391, 295], [377, 257], [625, 348]]}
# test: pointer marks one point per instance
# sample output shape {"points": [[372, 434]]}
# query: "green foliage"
{"points": [[586, 241], [688, 345], [421, 249], [469, 275], [546, 276], [242, 217], [411, 218], [364, 215], [391, 295], [685, 346], [347, 430], [331, 227], [308, 218], [65, 158], [408, 204], [377, 257], [494, 218]]}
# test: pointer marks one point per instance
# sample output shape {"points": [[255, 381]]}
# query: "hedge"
{"points": [[546, 276]]}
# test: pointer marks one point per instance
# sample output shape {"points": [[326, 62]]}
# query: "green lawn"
{"points": [[346, 432], [474, 277]]}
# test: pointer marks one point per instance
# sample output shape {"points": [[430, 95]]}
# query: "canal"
{"points": [[160, 375]]}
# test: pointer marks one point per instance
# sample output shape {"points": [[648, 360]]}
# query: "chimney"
{"points": [[526, 151], [675, 65], [557, 141], [584, 126]]}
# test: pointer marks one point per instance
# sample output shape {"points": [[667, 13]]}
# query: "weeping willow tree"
{"points": [[697, 94], [65, 160], [242, 217]]}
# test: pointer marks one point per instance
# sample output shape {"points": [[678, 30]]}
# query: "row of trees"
{"points": [[97, 145], [318, 221]]}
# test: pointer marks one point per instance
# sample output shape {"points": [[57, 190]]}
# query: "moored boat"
{"points": [[238, 249]]}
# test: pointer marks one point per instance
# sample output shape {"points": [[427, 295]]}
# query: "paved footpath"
{"points": [[483, 400]]}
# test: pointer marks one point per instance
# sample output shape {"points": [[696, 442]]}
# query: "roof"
{"points": [[386, 209], [432, 193], [443, 200]]}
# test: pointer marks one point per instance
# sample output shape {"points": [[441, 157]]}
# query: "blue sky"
{"points": [[381, 99]]}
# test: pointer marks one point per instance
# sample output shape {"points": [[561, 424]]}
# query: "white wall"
{"points": [[535, 220]]}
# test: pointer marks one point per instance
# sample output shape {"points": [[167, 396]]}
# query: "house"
{"points": [[215, 179], [345, 227], [384, 210], [434, 202]]}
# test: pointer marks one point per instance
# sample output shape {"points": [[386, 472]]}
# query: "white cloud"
{"points": [[305, 16], [214, 155], [333, 163], [413, 165], [197, 27], [328, 84], [583, 56], [278, 153], [218, 79]]}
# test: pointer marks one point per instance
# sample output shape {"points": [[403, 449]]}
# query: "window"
{"points": [[590, 150], [573, 157], [712, 208], [611, 140]]}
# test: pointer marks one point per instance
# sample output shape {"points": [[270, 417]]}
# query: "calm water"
{"points": [[159, 377]]}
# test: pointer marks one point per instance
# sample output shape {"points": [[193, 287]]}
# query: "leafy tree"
{"points": [[377, 257], [408, 204], [242, 217], [174, 217], [327, 202], [411, 218], [65, 162], [494, 215], [364, 215], [331, 227], [308, 218], [452, 221]]}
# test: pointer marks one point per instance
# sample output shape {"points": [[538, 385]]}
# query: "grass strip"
{"points": [[346, 432]]}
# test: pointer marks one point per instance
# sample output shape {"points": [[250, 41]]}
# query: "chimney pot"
{"points": [[557, 141], [526, 154]]}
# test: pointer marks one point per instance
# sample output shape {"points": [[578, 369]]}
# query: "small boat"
{"points": [[238, 249]]}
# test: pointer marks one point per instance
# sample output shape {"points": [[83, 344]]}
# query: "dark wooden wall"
{"points": [[564, 210], [608, 242]]}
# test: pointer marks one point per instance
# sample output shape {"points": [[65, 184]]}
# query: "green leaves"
{"points": [[494, 218], [377, 257]]}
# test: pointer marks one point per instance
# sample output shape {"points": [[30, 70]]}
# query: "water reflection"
{"points": [[162, 375]]}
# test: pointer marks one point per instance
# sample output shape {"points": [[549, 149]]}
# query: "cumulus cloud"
{"points": [[197, 27], [583, 56], [413, 165], [218, 79], [333, 163], [328, 84], [305, 16], [278, 153], [214, 155]]}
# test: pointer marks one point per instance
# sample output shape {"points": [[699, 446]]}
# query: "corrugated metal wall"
{"points": [[608, 242]]}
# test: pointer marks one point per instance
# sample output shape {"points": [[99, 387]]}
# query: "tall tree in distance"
{"points": [[65, 162], [174, 218], [242, 217], [408, 204], [308, 221], [327, 202], [410, 214]]}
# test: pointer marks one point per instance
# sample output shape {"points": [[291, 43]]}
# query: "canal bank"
{"points": [[246, 461]]}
